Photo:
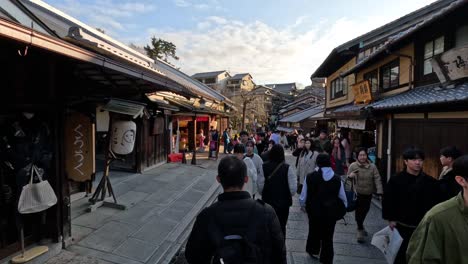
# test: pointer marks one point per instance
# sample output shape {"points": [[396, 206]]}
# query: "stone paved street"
{"points": [[161, 205]]}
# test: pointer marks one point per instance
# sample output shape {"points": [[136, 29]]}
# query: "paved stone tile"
{"points": [[160, 253], [136, 249], [131, 198], [191, 196], [156, 230], [138, 214], [113, 258], [203, 185], [108, 237], [338, 259], [302, 225], [178, 210], [92, 220], [68, 257], [302, 258], [80, 232], [162, 197], [296, 233], [295, 245]]}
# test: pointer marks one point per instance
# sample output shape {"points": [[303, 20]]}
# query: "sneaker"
{"points": [[361, 236]]}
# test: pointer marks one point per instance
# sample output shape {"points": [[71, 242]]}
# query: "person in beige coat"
{"points": [[366, 179]]}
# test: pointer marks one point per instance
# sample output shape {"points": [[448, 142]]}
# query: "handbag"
{"points": [[351, 195], [36, 197]]}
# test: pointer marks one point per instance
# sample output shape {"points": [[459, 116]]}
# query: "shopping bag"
{"points": [[36, 197], [388, 241]]}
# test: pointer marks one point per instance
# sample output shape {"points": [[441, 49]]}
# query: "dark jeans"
{"points": [[283, 214], [363, 203], [320, 238], [405, 233]]}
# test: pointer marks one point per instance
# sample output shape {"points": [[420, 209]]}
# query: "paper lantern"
{"points": [[123, 137]]}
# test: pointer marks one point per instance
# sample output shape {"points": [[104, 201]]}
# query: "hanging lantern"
{"points": [[123, 137]]}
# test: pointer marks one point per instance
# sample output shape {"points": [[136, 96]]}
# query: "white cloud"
{"points": [[271, 55], [182, 3]]}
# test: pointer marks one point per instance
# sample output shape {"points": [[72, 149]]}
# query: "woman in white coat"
{"points": [[251, 185], [307, 161]]}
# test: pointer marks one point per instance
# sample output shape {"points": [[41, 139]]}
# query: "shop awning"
{"points": [[346, 111], [131, 108], [423, 96], [285, 129], [299, 116]]}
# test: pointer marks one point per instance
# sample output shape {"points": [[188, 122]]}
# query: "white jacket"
{"points": [[251, 185]]}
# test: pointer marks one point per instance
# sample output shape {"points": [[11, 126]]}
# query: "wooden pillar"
{"points": [[194, 157]]}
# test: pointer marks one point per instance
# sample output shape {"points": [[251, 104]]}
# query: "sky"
{"points": [[275, 41]]}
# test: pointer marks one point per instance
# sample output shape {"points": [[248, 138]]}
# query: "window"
{"points": [[373, 80], [432, 48], [390, 75], [339, 87]]}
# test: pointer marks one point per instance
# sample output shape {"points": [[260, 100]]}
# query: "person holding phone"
{"points": [[366, 178]]}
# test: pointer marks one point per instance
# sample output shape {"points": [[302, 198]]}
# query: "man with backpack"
{"points": [[236, 229]]}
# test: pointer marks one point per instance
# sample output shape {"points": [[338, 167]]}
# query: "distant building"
{"points": [[216, 79]]}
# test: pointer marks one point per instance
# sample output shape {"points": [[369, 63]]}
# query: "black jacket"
{"points": [[276, 190], [232, 214], [297, 153], [449, 186], [407, 198], [320, 191]]}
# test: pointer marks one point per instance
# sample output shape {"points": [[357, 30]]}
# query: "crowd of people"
{"points": [[323, 175]]}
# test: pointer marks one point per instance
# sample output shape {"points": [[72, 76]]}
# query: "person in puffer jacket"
{"points": [[366, 178]]}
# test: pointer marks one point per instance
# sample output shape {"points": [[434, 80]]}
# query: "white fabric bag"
{"points": [[36, 197], [388, 241]]}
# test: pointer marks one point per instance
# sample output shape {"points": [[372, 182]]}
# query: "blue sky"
{"points": [[276, 41]]}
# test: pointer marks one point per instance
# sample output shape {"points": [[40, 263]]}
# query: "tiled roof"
{"points": [[426, 95], [207, 74], [283, 87], [298, 117], [239, 76], [348, 108]]}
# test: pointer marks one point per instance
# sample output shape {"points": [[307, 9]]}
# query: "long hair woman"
{"points": [[306, 161], [278, 184], [324, 199]]}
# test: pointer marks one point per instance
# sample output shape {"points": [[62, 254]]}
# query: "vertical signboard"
{"points": [[79, 147]]}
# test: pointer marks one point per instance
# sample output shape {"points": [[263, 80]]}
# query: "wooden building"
{"points": [[385, 81]]}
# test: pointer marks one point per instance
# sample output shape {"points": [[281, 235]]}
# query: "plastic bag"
{"points": [[388, 241]]}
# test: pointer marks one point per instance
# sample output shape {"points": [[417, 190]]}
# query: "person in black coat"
{"points": [[408, 196], [278, 184], [233, 215], [449, 186], [324, 199]]}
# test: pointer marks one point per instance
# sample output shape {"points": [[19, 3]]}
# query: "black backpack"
{"points": [[238, 248]]}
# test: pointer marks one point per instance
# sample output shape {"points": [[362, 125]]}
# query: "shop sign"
{"points": [[451, 65], [353, 124], [79, 147], [362, 92]]}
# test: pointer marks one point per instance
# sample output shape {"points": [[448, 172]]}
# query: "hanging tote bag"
{"points": [[36, 197], [351, 194]]}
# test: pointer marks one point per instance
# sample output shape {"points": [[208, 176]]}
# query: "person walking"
{"points": [[235, 215], [278, 184], [251, 185], [306, 161], [324, 142], [366, 179], [408, 196], [227, 140], [449, 185], [324, 199], [256, 159], [338, 158], [442, 235]]}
